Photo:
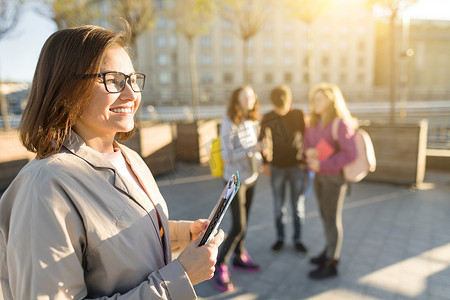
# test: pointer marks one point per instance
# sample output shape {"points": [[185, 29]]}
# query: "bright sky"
{"points": [[19, 50]]}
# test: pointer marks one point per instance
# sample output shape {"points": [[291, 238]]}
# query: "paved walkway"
{"points": [[396, 241]]}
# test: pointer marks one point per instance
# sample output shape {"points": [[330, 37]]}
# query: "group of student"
{"points": [[290, 145], [85, 218]]}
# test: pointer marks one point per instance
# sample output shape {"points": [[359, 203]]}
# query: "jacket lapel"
{"points": [[76, 145]]}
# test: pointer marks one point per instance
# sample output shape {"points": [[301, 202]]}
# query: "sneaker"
{"points": [[321, 258], [244, 262], [300, 249], [325, 270], [221, 279], [277, 246]]}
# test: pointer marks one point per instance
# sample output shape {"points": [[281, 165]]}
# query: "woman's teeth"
{"points": [[122, 110]]}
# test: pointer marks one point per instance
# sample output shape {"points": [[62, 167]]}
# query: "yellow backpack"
{"points": [[215, 159]]}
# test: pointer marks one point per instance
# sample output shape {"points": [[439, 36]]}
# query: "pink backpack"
{"points": [[365, 160]]}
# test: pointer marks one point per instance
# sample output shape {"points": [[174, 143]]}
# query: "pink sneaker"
{"points": [[245, 263], [221, 279]]}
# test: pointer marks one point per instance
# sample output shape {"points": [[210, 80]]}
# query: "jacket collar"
{"points": [[78, 147], [75, 144]]}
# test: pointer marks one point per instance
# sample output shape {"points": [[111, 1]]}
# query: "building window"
{"points": [[161, 41], [226, 25], [206, 78], [361, 46], [325, 77], [343, 78], [268, 44], [325, 61], [174, 58], [343, 45], [161, 23], [227, 42], [288, 27], [163, 59], [205, 59], [173, 41], [268, 78], [160, 4], [205, 41], [228, 78], [288, 77], [268, 27], [288, 45], [305, 77], [268, 60], [164, 77], [361, 78], [361, 61], [344, 62], [227, 60], [288, 61], [174, 78]]}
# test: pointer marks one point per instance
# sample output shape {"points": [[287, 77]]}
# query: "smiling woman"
{"points": [[85, 218]]}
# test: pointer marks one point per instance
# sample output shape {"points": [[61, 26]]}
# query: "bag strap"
{"points": [[334, 128]]}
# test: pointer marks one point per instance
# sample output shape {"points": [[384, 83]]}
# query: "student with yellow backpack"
{"points": [[240, 151]]}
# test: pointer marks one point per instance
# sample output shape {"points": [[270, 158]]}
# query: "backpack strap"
{"points": [[334, 128]]}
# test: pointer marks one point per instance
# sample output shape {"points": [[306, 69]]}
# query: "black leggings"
{"points": [[240, 207]]}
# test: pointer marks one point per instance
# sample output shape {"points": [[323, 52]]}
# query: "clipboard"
{"points": [[216, 216]]}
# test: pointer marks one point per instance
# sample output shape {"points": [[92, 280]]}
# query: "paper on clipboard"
{"points": [[220, 208]]}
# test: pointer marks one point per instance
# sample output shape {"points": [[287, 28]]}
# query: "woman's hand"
{"points": [[313, 164], [199, 262], [311, 153], [197, 227]]}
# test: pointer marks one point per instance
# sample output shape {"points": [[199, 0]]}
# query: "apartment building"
{"points": [[343, 53], [424, 74]]}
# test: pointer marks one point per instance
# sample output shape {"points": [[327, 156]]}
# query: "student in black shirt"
{"points": [[282, 132]]}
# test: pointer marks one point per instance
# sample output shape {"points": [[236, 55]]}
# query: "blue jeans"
{"points": [[295, 177]]}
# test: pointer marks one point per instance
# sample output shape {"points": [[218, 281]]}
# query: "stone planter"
{"points": [[400, 150], [156, 145], [13, 156], [194, 139]]}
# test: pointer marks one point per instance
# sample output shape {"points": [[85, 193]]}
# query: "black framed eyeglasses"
{"points": [[115, 81]]}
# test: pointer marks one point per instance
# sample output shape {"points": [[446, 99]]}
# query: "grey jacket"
{"points": [[71, 227], [237, 142]]}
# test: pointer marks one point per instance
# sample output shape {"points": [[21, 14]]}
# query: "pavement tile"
{"points": [[396, 240]]}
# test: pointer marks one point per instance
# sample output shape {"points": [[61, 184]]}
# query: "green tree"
{"points": [[141, 15], [392, 8], [71, 13], [308, 11], [247, 18], [9, 16], [193, 18]]}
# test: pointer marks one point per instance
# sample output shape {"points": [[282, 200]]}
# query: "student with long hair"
{"points": [[326, 157], [85, 218], [240, 152]]}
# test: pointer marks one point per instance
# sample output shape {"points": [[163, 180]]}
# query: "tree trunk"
{"points": [[246, 74], [310, 59], [393, 65], [194, 83]]}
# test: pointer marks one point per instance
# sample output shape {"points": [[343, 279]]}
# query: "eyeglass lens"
{"points": [[115, 81]]}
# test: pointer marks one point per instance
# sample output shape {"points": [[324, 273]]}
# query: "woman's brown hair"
{"points": [[60, 88], [337, 109], [235, 111]]}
